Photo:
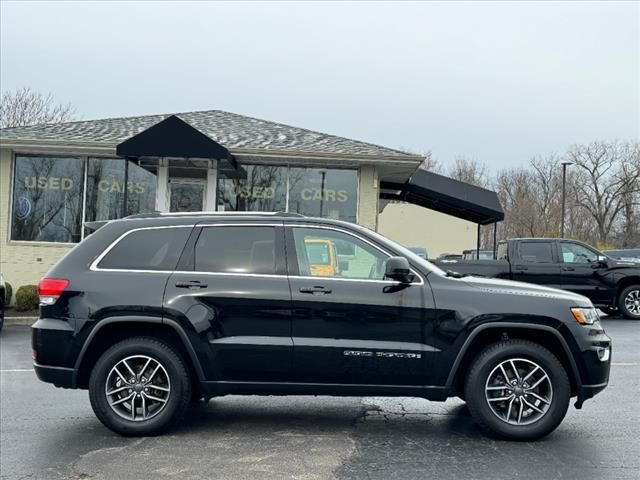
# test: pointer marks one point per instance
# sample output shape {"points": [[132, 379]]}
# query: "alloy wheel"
{"points": [[138, 388], [518, 391], [632, 302]]}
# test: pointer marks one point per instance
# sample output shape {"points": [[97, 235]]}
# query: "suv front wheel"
{"points": [[140, 386], [518, 390]]}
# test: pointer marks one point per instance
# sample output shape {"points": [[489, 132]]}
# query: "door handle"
{"points": [[520, 268], [316, 289], [568, 269], [193, 284]]}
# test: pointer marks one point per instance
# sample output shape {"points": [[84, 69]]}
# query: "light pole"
{"points": [[564, 186]]}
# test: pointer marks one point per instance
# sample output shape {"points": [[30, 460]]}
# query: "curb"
{"points": [[20, 320]]}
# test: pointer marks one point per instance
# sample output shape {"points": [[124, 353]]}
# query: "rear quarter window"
{"points": [[151, 249]]}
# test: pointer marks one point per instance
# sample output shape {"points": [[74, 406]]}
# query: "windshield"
{"points": [[412, 257]]}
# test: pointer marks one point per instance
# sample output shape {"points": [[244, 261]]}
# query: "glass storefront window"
{"points": [[323, 192], [47, 199], [317, 192], [105, 189], [141, 197], [48, 192], [254, 188]]}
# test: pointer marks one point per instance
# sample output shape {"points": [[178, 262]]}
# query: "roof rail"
{"points": [[227, 213]]}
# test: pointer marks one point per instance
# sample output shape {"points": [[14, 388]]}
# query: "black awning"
{"points": [[173, 137], [446, 195]]}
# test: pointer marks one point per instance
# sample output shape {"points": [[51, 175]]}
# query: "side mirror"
{"points": [[397, 268], [602, 260], [343, 265]]}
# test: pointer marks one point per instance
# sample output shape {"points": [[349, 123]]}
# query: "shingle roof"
{"points": [[229, 129]]}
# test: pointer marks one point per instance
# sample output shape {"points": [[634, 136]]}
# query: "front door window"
{"points": [[187, 195], [329, 253]]}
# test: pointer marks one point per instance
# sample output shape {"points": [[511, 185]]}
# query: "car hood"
{"points": [[510, 287]]}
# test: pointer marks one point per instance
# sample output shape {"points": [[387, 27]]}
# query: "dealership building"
{"points": [[56, 177]]}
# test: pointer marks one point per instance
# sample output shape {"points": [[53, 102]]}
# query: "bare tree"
{"points": [[604, 175], [431, 163], [25, 106], [630, 224], [469, 171]]}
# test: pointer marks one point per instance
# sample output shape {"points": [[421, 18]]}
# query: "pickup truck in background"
{"points": [[612, 285]]}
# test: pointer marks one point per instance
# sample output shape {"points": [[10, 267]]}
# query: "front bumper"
{"points": [[594, 364]]}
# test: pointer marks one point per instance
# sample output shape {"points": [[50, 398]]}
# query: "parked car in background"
{"points": [[612, 285], [449, 257], [420, 251], [473, 255], [627, 255], [323, 259], [150, 312]]}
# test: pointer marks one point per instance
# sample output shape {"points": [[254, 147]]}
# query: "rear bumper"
{"points": [[59, 376], [52, 344]]}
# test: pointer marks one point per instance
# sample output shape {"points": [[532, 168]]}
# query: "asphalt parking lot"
{"points": [[49, 433]]}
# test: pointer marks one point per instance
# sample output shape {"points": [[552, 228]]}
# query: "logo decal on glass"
{"points": [[22, 208]]}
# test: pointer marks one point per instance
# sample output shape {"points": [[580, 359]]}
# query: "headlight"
{"points": [[585, 316]]}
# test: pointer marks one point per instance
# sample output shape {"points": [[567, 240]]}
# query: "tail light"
{"points": [[50, 289]]}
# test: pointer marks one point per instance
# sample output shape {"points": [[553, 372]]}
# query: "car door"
{"points": [[537, 262], [350, 326], [231, 290], [582, 272]]}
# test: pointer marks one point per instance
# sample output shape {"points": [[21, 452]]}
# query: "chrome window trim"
{"points": [[239, 224], [365, 240], [94, 265]]}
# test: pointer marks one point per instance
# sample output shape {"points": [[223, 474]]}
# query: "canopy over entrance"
{"points": [[173, 137], [446, 195]]}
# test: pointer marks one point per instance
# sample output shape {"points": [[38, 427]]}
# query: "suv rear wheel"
{"points": [[629, 302], [140, 386], [517, 389]]}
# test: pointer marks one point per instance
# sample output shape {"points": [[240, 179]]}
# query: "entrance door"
{"points": [[187, 195]]}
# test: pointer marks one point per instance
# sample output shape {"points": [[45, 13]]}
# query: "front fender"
{"points": [[524, 326]]}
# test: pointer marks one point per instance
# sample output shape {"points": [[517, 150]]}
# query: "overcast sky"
{"points": [[499, 82]]}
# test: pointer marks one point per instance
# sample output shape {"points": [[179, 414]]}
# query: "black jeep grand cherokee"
{"points": [[149, 313]]}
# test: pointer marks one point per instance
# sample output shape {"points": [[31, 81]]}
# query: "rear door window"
{"points": [[150, 249], [241, 249], [536, 252]]}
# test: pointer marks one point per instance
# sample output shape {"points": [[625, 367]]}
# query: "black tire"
{"points": [[177, 400], [488, 360], [624, 310]]}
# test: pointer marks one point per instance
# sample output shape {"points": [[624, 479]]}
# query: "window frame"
{"points": [[288, 167], [94, 267], [12, 175], [292, 257], [580, 244], [554, 252], [280, 253], [84, 157]]}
